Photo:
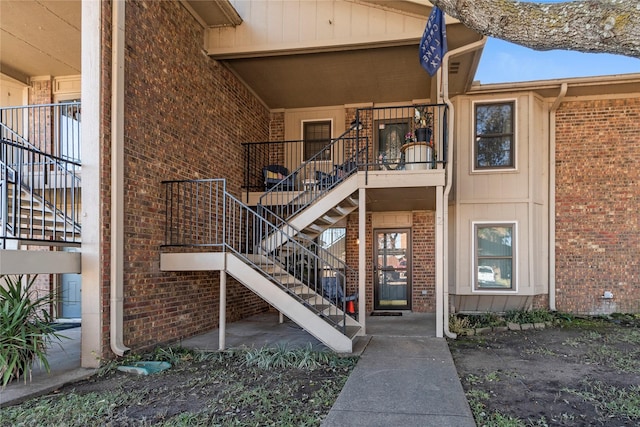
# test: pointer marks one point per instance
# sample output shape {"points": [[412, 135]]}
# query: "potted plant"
{"points": [[423, 119], [25, 327]]}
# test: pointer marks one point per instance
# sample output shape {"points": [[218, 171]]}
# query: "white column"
{"points": [[92, 270], [223, 311], [440, 260], [362, 261]]}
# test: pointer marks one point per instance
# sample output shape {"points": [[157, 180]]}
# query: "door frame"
{"points": [[376, 285]]}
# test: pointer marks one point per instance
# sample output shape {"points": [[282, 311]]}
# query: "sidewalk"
{"points": [[402, 381]]}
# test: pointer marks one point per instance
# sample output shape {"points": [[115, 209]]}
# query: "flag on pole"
{"points": [[434, 42]]}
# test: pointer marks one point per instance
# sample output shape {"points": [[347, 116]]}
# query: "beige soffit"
{"points": [[39, 38], [213, 13]]}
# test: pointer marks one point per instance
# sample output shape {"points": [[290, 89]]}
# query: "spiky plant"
{"points": [[25, 327]]}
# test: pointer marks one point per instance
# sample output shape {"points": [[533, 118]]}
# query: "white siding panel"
{"points": [[291, 21], [260, 28], [276, 23], [324, 20], [307, 22], [377, 21], [359, 20], [287, 24], [342, 20]]}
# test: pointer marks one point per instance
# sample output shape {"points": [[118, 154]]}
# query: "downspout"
{"points": [[449, 174], [552, 195], [117, 177]]}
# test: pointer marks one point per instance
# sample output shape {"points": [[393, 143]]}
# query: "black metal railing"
{"points": [[411, 137], [40, 173], [201, 213]]}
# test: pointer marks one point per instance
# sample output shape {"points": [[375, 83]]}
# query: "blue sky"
{"points": [[504, 62]]}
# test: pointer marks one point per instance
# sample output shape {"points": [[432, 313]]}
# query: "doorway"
{"points": [[392, 269], [70, 293]]}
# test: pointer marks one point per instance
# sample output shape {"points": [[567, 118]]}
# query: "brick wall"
{"points": [[185, 118], [423, 271], [597, 205]]}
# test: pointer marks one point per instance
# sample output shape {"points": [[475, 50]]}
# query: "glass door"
{"points": [[392, 269]]}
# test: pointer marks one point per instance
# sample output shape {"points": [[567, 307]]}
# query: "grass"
{"points": [[284, 387], [610, 401]]}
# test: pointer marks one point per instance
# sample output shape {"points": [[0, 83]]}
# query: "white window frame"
{"points": [[302, 152], [473, 135], [514, 257]]}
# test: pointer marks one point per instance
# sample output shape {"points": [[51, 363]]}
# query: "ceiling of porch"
{"points": [[362, 75]]}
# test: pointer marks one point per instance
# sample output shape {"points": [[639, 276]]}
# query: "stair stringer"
{"points": [[318, 210], [288, 305], [324, 205]]}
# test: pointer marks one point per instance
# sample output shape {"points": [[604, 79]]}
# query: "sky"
{"points": [[504, 62]]}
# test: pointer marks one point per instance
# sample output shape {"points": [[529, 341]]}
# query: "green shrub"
{"points": [[25, 327]]}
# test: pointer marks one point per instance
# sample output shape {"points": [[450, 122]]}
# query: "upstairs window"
{"points": [[494, 136], [494, 245], [317, 136]]}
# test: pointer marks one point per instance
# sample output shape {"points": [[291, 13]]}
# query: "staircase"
{"points": [[32, 217], [40, 192], [271, 250], [272, 259]]}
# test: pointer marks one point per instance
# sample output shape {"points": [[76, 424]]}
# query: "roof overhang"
{"points": [[339, 53], [612, 85]]}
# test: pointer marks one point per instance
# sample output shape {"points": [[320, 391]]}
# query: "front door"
{"points": [[71, 293], [392, 269]]}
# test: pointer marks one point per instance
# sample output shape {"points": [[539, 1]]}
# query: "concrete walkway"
{"points": [[402, 381], [405, 376]]}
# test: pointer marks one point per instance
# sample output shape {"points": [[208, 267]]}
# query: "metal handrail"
{"points": [[40, 156], [316, 178], [201, 213], [32, 191]]}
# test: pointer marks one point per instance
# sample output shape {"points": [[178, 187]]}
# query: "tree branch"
{"points": [[605, 26]]}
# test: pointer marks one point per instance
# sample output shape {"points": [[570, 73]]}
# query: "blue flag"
{"points": [[434, 42]]}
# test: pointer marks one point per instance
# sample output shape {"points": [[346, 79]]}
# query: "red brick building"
{"points": [[527, 196]]}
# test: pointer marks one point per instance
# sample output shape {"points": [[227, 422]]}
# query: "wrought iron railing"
{"points": [[40, 173], [410, 137], [201, 213]]}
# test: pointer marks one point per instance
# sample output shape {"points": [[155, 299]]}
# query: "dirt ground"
{"points": [[219, 391], [580, 373]]}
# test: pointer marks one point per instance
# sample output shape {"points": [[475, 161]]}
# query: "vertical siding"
{"points": [[269, 24], [519, 195]]}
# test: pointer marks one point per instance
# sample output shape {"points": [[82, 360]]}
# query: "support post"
{"points": [[362, 261], [223, 311], [439, 241]]}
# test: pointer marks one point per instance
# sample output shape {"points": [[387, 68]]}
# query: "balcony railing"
{"points": [[398, 138], [40, 173]]}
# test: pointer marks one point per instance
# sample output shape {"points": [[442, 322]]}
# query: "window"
{"points": [[391, 134], [494, 245], [317, 136], [494, 136]]}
